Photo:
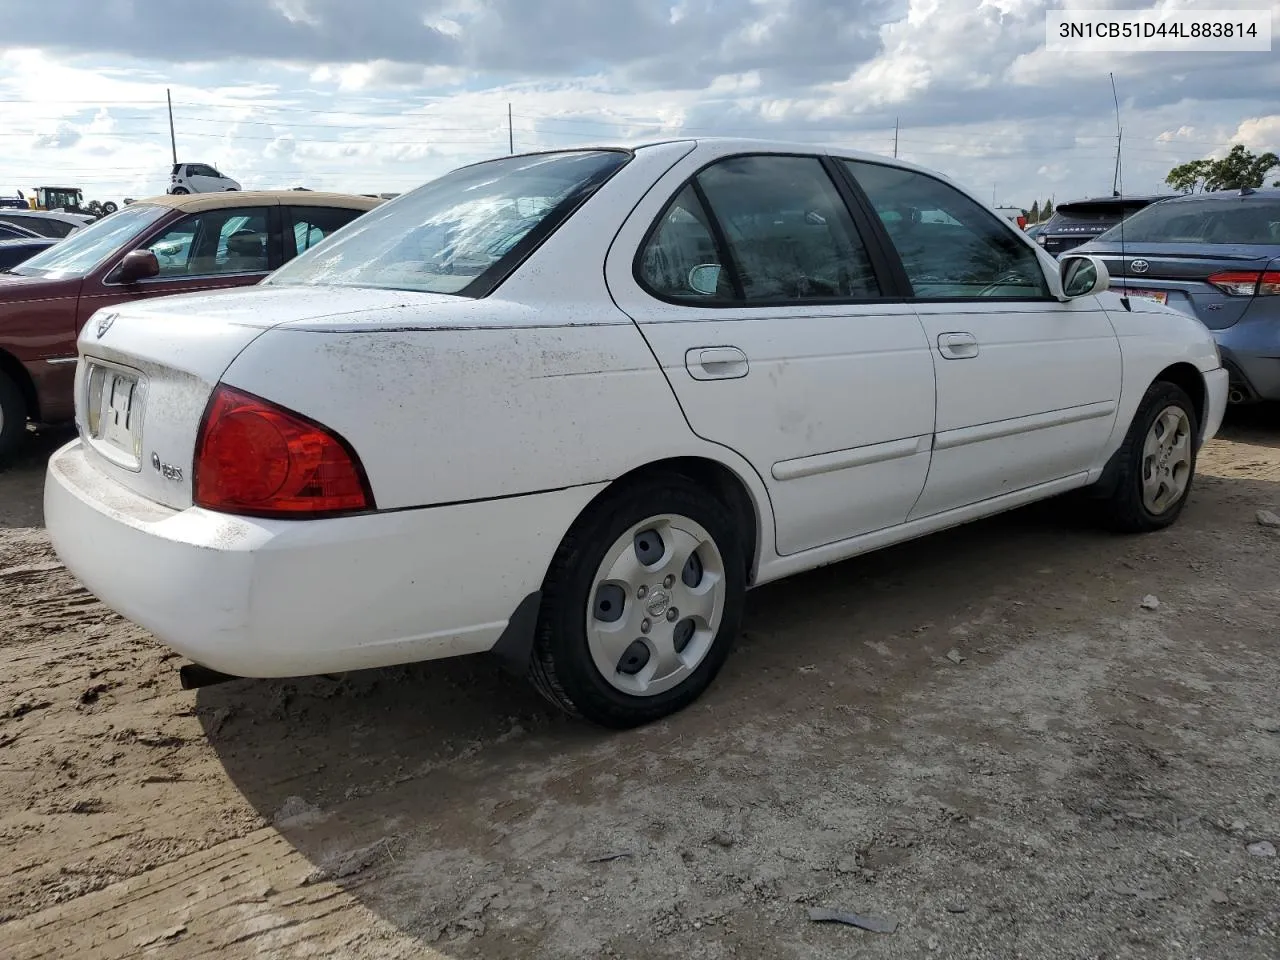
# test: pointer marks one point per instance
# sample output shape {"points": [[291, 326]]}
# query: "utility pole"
{"points": [[511, 134], [173, 143], [895, 138]]}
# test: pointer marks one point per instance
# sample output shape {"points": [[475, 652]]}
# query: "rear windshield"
{"points": [[88, 247], [459, 234], [1234, 220]]}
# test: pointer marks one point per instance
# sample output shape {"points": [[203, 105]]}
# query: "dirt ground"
{"points": [[983, 737]]}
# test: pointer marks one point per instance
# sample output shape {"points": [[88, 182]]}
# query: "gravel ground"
{"points": [[984, 739]]}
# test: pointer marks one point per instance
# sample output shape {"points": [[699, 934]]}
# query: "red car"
{"points": [[152, 248]]}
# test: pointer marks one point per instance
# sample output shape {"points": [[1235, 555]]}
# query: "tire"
{"points": [[13, 417], [109, 207], [571, 639], [180, 191], [1127, 508]]}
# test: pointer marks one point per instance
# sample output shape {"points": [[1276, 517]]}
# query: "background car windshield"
{"points": [[1240, 220], [444, 236], [85, 249]]}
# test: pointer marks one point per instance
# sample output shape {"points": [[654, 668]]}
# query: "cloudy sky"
{"points": [[282, 93]]}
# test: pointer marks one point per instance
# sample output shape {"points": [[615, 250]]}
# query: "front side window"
{"points": [[1236, 220], [950, 246], [788, 232], [214, 242], [83, 250], [459, 234]]}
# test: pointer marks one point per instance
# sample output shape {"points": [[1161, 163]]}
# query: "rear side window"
{"points": [[1241, 220], [681, 260], [785, 236], [313, 224], [950, 246], [787, 230]]}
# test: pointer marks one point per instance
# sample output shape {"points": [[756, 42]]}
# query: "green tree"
{"points": [[1034, 215], [1188, 177], [1047, 210], [1239, 168]]}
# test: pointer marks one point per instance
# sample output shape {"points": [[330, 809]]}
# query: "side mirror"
{"points": [[1082, 275], [138, 265], [705, 278]]}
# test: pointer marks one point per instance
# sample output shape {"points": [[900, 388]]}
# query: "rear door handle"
{"points": [[716, 363], [958, 346]]}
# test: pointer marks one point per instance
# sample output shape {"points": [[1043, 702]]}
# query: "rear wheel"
{"points": [[1156, 463], [641, 604], [180, 191], [110, 207], [13, 416]]}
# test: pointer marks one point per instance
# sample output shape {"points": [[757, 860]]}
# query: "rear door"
{"points": [[210, 249], [769, 312]]}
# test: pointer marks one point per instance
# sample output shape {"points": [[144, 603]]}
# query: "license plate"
{"points": [[1159, 296], [115, 411]]}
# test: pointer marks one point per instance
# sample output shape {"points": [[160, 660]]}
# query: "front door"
{"points": [[229, 247], [764, 306], [1028, 386]]}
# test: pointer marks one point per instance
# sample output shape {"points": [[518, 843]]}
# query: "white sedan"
{"points": [[567, 407]]}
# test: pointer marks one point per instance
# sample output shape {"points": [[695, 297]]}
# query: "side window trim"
{"points": [[884, 256], [896, 259], [887, 269], [727, 260]]}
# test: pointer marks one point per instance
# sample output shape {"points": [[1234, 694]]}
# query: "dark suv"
{"points": [[1079, 221]]}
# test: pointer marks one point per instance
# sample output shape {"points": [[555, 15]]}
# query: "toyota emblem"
{"points": [[104, 324], [1139, 266]]}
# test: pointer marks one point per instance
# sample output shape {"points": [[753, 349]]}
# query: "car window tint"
{"points": [[950, 245], [788, 232], [681, 261], [313, 224], [214, 242]]}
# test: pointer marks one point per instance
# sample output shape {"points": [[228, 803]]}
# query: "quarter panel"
{"points": [[455, 413]]}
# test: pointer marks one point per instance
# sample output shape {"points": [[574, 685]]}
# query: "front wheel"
{"points": [[1156, 463], [641, 604]]}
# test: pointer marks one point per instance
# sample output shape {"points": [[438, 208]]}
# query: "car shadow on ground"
{"points": [[1255, 424], [22, 477], [415, 744]]}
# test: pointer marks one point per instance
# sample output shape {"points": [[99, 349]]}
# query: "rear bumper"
{"points": [[1251, 348], [267, 598]]}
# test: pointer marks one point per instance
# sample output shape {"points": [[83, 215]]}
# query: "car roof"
{"points": [[1262, 193], [28, 241], [193, 202], [79, 219], [732, 145]]}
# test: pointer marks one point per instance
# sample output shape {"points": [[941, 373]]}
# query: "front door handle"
{"points": [[716, 363], [958, 346]]}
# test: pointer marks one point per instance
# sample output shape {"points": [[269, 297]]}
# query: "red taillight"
{"points": [[1022, 223], [1248, 283], [255, 458]]}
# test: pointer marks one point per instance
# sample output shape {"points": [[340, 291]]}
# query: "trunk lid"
{"points": [[1179, 272], [146, 371]]}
